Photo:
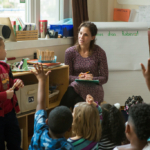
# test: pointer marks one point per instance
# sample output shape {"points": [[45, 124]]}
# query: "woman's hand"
{"points": [[88, 77], [82, 76]]}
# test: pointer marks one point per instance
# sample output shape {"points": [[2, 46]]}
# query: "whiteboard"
{"points": [[134, 2], [125, 44]]}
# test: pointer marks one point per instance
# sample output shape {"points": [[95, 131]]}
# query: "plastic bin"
{"points": [[67, 30], [28, 97], [64, 27], [57, 28], [65, 21]]}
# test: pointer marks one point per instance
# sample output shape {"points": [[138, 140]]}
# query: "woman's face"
{"points": [[85, 37]]}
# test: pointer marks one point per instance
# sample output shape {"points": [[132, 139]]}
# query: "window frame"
{"points": [[33, 10]]}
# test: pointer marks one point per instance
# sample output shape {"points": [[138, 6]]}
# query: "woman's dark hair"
{"points": [[131, 101], [92, 28], [113, 124], [139, 115]]}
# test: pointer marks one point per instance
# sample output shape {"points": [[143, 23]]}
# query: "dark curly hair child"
{"points": [[138, 128], [131, 101], [113, 127]]}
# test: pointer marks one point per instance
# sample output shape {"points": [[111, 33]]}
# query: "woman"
{"points": [[84, 57]]}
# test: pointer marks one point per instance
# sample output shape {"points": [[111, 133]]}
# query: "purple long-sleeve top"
{"points": [[96, 64]]}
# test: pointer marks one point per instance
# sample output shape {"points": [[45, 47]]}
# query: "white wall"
{"points": [[102, 10]]}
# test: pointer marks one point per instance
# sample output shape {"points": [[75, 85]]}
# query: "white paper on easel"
{"points": [[134, 15], [124, 84], [125, 44]]}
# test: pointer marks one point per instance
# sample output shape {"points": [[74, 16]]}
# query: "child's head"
{"points": [[86, 121], [60, 120], [112, 124], [138, 122], [131, 101], [2, 49]]}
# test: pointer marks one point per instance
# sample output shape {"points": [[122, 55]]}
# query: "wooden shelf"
{"points": [[59, 75]]}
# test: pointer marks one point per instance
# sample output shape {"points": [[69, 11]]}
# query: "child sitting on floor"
{"points": [[49, 133], [137, 128], [131, 101], [86, 125], [113, 127]]}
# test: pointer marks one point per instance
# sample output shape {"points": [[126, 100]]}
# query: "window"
{"points": [[34, 10], [12, 9], [49, 10]]}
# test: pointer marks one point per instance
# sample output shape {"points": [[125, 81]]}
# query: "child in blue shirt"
{"points": [[49, 133]]}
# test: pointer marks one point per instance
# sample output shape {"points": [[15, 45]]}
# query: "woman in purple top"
{"points": [[84, 57]]}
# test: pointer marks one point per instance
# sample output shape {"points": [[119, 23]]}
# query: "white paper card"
{"points": [[134, 15], [144, 14]]}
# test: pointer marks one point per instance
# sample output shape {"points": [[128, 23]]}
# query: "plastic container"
{"points": [[57, 28], [63, 27], [65, 21], [64, 30], [67, 30]]}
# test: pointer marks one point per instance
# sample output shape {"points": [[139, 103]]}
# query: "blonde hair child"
{"points": [[86, 125]]}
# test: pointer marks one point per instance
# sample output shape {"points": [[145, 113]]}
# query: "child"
{"points": [[137, 128], [9, 128], [49, 133], [131, 101], [86, 125], [113, 127]]}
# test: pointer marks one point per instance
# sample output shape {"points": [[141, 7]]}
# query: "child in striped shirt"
{"points": [[86, 125]]}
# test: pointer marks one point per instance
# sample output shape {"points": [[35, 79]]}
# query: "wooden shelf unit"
{"points": [[59, 75]]}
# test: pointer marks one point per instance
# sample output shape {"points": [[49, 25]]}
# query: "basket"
{"points": [[26, 35], [53, 97]]}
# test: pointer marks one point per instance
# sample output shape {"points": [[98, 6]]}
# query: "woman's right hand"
{"points": [[82, 76], [10, 93]]}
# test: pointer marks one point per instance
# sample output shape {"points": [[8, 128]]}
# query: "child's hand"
{"points": [[18, 84], [40, 74], [10, 93], [89, 99], [146, 73]]}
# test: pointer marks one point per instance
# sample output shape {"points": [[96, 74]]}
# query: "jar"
{"points": [[43, 28]]}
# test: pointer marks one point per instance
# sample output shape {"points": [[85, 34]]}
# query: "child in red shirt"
{"points": [[9, 127]]}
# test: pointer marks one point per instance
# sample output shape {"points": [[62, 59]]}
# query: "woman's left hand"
{"points": [[18, 84], [88, 76]]}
